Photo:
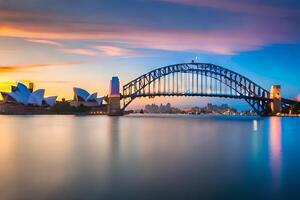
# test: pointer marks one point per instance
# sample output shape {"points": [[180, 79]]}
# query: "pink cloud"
{"points": [[7, 50], [298, 97], [105, 50], [49, 42], [219, 40], [118, 51], [86, 52]]}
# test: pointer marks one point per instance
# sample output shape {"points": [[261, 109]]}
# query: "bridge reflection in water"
{"points": [[162, 157]]}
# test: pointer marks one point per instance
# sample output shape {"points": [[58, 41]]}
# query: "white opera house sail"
{"points": [[83, 97], [22, 95]]}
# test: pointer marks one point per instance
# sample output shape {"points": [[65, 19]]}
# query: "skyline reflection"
{"points": [[138, 156]]}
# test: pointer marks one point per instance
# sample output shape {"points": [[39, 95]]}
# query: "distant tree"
{"points": [[296, 108], [61, 108], [81, 109], [64, 107]]}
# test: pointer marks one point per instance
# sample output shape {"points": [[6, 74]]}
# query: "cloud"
{"points": [[49, 42], [215, 41], [106, 50], [17, 68], [219, 42], [80, 51], [225, 37], [52, 81], [7, 50], [8, 13], [71, 31], [248, 7], [119, 51]]}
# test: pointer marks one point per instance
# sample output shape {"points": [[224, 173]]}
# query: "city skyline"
{"points": [[59, 45]]}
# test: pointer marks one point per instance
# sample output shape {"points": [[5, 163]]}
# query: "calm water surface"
{"points": [[149, 157]]}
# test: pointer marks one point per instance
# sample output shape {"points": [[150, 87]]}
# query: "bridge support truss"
{"points": [[197, 79]]}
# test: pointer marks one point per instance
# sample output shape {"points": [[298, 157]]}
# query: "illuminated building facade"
{"points": [[114, 107], [115, 86], [275, 94]]}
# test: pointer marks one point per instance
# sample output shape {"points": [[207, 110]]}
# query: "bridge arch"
{"points": [[197, 79]]}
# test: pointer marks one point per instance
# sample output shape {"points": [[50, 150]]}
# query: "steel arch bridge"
{"points": [[198, 79]]}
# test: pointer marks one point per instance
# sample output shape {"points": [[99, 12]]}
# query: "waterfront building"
{"points": [[27, 97], [23, 100], [83, 97], [153, 108], [114, 97], [114, 86]]}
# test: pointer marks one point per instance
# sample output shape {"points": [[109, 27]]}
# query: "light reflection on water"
{"points": [[275, 148], [255, 128], [148, 157]]}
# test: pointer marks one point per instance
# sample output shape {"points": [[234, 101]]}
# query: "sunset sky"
{"points": [[59, 44]]}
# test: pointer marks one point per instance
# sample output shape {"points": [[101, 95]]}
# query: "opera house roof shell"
{"points": [[22, 95], [83, 95]]}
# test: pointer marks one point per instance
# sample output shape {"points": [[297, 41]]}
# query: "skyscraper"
{"points": [[114, 97], [115, 86]]}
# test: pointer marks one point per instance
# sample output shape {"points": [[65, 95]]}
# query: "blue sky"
{"points": [[59, 44]]}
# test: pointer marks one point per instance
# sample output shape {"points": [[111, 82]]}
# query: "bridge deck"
{"points": [[196, 94]]}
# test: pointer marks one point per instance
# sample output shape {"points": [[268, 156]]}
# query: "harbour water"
{"points": [[149, 157]]}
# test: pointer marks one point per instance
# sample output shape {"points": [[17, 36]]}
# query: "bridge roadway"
{"points": [[287, 101]]}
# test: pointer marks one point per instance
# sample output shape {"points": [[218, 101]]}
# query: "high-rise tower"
{"points": [[114, 107]]}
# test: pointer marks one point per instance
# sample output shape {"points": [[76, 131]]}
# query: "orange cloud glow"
{"points": [[41, 31], [15, 68]]}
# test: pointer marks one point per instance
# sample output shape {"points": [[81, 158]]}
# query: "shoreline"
{"points": [[136, 114]]}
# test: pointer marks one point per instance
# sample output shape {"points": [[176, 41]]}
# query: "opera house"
{"points": [[83, 97], [23, 100]]}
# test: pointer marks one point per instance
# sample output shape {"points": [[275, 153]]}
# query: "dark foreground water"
{"points": [[149, 157]]}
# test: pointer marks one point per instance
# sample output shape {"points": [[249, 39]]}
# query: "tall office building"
{"points": [[115, 86], [114, 107]]}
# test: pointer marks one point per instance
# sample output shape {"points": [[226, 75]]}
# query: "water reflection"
{"points": [[159, 157], [255, 125], [114, 151], [8, 167], [275, 147]]}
